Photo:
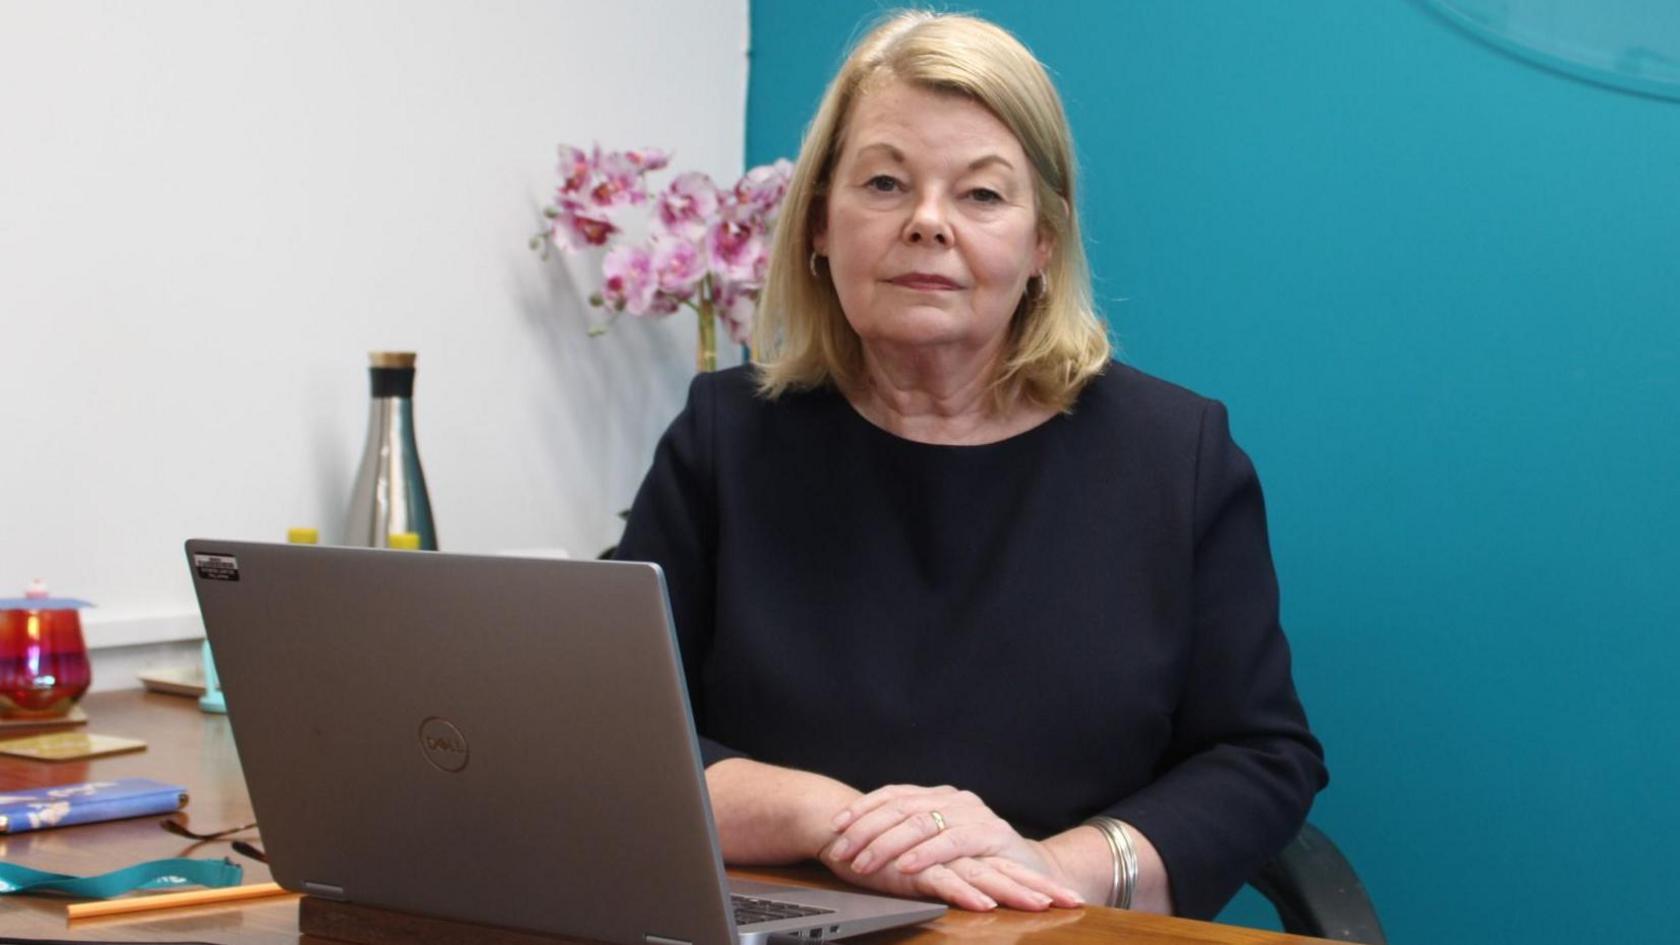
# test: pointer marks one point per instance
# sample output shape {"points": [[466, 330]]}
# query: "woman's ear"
{"points": [[1046, 247], [1042, 253]]}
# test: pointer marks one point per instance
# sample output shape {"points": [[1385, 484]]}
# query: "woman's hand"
{"points": [[978, 884], [768, 815], [946, 843]]}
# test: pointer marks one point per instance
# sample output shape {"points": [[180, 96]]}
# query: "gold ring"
{"points": [[938, 821]]}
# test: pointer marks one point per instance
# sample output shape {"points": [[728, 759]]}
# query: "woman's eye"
{"points": [[881, 183], [986, 195]]}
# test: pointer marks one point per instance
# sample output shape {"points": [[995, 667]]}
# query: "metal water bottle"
{"points": [[390, 491]]}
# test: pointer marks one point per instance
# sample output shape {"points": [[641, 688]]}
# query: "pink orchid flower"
{"points": [[762, 188], [618, 181], [688, 205], [709, 248], [679, 266], [630, 284], [736, 306], [574, 170], [577, 226], [739, 252], [649, 159]]}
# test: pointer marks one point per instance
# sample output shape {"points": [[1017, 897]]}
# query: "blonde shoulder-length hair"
{"points": [[1056, 343]]}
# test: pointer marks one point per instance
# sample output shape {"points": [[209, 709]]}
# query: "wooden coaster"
{"points": [[74, 717], [68, 746], [175, 681]]}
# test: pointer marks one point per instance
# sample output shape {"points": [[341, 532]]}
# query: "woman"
{"points": [[967, 610]]}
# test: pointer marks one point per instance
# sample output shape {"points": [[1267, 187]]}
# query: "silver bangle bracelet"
{"points": [[1120, 845], [1114, 858], [1130, 859]]}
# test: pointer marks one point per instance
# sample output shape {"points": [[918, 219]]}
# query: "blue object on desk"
{"points": [[86, 802], [212, 700]]}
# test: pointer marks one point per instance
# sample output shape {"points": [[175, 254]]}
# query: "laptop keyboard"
{"points": [[749, 909]]}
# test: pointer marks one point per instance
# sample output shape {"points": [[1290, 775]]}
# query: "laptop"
{"points": [[497, 740]]}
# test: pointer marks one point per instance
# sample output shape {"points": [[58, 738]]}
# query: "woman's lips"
{"points": [[924, 281]]}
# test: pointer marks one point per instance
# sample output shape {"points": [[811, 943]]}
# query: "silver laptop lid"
{"points": [[490, 739]]}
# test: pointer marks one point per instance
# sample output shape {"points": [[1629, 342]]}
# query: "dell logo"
{"points": [[443, 744]]}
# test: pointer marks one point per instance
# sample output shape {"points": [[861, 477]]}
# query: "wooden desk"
{"points": [[191, 748]]}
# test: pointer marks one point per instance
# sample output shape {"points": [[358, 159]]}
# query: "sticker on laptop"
{"points": [[216, 567]]}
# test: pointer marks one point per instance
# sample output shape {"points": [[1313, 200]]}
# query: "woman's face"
{"points": [[931, 225]]}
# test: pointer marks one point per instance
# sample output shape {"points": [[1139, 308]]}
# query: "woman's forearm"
{"points": [[768, 815], [1087, 864]]}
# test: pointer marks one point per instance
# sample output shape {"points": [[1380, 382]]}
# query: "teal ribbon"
{"points": [[154, 874]]}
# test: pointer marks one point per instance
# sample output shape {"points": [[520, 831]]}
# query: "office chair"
{"points": [[1316, 892]]}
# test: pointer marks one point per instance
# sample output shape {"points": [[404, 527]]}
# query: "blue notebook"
{"points": [[67, 804]]}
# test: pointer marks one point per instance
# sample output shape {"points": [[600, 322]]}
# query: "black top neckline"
{"points": [[851, 416]]}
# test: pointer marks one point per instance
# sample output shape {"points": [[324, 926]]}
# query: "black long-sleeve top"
{"points": [[1080, 619]]}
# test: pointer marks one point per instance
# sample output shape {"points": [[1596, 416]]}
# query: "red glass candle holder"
{"points": [[43, 660]]}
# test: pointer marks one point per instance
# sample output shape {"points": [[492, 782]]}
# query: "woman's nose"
{"points": [[928, 224]]}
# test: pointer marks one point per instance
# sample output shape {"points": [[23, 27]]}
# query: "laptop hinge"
{"points": [[324, 890], [662, 940]]}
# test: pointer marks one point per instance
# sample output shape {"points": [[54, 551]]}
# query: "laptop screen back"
{"points": [[491, 739]]}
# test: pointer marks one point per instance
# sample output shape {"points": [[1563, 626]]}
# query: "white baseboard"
{"points": [[120, 667], [122, 645], [104, 631]]}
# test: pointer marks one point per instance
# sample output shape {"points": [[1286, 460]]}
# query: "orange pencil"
{"points": [[198, 897]]}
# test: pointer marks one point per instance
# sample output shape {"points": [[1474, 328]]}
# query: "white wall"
{"points": [[211, 211]]}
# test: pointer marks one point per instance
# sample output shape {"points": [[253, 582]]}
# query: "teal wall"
{"points": [[1440, 290]]}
